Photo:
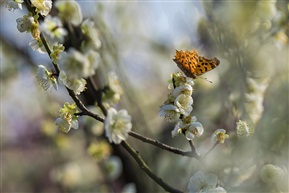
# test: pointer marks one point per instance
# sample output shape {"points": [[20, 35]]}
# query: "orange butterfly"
{"points": [[194, 65]]}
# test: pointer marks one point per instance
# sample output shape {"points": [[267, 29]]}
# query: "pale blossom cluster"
{"points": [[29, 23], [254, 98], [67, 118], [219, 136], [46, 78], [272, 174], [53, 30], [69, 12], [117, 125], [12, 4], [75, 63], [178, 108], [75, 66], [72, 64], [91, 34], [265, 12], [78, 64], [112, 91], [26, 23], [201, 182], [244, 129]]}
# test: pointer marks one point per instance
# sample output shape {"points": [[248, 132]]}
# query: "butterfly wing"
{"points": [[187, 62], [206, 65]]}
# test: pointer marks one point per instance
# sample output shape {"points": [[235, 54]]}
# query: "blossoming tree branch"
{"points": [[73, 43]]}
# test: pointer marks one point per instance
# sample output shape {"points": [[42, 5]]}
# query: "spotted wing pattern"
{"points": [[194, 65]]}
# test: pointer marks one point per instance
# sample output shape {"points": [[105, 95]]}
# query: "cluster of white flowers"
{"points": [[219, 136], [29, 23], [12, 4], [204, 183], [42, 6], [92, 37], [67, 118], [272, 174], [53, 30], [244, 129], [46, 78], [117, 125], [113, 91], [25, 23], [265, 12], [254, 98], [77, 85], [69, 12], [178, 108], [75, 64]]}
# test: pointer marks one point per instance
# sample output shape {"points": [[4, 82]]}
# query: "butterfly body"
{"points": [[194, 65]]}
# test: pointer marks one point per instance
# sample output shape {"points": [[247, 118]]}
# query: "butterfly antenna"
{"points": [[205, 79]]}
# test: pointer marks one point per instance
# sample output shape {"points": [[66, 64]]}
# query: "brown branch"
{"points": [[97, 93], [57, 69], [146, 168], [164, 146], [82, 107], [129, 149], [79, 104]]}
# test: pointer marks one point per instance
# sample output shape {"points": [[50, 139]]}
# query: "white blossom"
{"points": [[37, 45], [219, 136], [195, 130], [12, 4], [94, 61], [271, 174], [45, 78], [65, 125], [170, 112], [92, 40], [77, 65], [117, 125], [25, 23], [184, 104], [77, 85], [67, 118], [69, 11], [42, 6], [244, 129], [186, 89], [201, 182], [217, 190], [113, 83], [53, 30]]}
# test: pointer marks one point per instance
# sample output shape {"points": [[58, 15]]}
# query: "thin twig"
{"points": [[193, 148], [132, 152], [79, 104], [211, 149], [146, 168], [57, 69], [163, 146], [82, 107]]}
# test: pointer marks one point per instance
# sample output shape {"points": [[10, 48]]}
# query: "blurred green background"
{"points": [[139, 39]]}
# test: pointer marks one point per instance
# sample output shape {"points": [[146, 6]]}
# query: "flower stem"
{"points": [[163, 146], [146, 168], [82, 107], [211, 149]]}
